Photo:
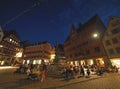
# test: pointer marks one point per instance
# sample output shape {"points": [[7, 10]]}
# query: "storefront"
{"points": [[115, 62], [100, 62], [37, 61], [90, 62]]}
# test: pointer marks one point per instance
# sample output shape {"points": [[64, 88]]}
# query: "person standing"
{"points": [[82, 70], [43, 71], [88, 72]]}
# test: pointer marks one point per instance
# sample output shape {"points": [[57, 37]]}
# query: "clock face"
{"points": [[1, 34]]}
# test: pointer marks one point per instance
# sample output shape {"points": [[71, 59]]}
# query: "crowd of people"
{"points": [[39, 71], [33, 71], [82, 70]]}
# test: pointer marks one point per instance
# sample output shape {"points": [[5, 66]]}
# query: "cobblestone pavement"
{"points": [[19, 81]]}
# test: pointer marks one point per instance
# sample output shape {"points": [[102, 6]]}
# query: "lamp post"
{"points": [[105, 57], [96, 36]]}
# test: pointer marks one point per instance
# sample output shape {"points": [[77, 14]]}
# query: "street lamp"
{"points": [[95, 35]]}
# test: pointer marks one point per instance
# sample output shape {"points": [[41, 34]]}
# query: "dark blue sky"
{"points": [[51, 20]]}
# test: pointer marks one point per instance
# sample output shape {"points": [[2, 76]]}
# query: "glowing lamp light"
{"points": [[95, 35], [1, 46], [19, 54], [52, 56]]}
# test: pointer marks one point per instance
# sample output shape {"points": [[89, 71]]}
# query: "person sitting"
{"points": [[34, 74]]}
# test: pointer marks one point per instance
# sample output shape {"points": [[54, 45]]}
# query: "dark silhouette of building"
{"points": [[10, 50]]}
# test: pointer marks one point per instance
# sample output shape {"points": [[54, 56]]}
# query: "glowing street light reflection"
{"points": [[6, 67]]}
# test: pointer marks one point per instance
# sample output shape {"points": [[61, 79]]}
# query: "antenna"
{"points": [[37, 3]]}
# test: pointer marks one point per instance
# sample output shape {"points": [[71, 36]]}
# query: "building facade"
{"points": [[10, 48], [84, 45], [111, 40], [35, 53]]}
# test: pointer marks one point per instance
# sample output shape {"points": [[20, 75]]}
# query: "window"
{"points": [[111, 51], [118, 50], [87, 51], [107, 42], [85, 43], [97, 49], [80, 52], [115, 31], [115, 23], [114, 40], [71, 56]]}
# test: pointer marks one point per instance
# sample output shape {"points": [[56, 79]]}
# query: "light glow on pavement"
{"points": [[6, 67]]}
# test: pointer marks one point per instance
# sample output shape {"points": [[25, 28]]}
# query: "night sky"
{"points": [[51, 20]]}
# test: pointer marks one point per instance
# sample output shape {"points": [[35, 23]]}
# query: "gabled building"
{"points": [[10, 48], [35, 53], [111, 40], [84, 45]]}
